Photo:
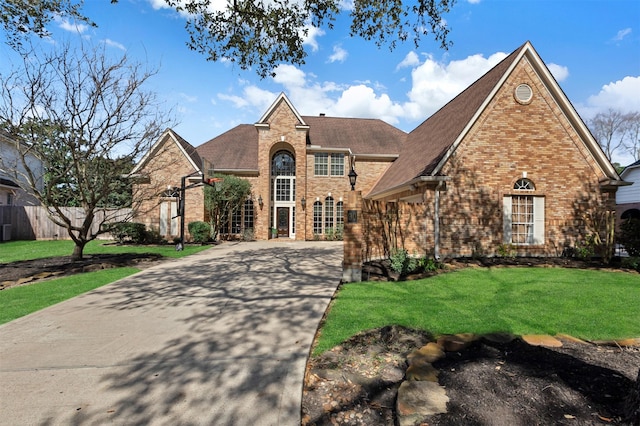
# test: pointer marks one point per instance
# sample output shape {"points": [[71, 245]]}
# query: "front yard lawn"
{"points": [[588, 304], [13, 251], [23, 300]]}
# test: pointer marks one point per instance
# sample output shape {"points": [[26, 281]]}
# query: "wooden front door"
{"points": [[282, 216]]}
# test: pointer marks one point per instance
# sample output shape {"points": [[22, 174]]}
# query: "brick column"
{"points": [[353, 236]]}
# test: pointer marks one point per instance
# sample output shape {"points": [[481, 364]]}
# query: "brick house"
{"points": [[506, 165]]}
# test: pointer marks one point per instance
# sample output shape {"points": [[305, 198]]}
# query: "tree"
{"points": [[87, 118], [262, 33], [617, 132], [220, 201]]}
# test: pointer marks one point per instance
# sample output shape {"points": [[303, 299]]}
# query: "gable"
{"points": [[438, 138], [184, 148]]}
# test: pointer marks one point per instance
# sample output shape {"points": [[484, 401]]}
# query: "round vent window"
{"points": [[523, 93]]}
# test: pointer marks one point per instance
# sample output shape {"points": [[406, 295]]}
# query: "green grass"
{"points": [[12, 251], [19, 301], [588, 304]]}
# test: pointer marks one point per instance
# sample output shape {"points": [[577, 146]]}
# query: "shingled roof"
{"points": [[428, 143], [186, 147], [237, 149]]}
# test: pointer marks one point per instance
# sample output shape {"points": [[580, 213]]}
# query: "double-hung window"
{"points": [[326, 164], [523, 215]]}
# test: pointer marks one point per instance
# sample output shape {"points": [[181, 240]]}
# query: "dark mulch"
{"points": [[29, 271]]}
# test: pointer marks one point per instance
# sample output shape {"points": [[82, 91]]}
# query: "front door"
{"points": [[283, 221]]}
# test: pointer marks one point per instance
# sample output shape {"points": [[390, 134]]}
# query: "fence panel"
{"points": [[33, 223]]}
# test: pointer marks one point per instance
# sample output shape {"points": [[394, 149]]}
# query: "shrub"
{"points": [[631, 263], [630, 236], [507, 251], [402, 263], [247, 235], [128, 231], [429, 264], [200, 231], [152, 236]]}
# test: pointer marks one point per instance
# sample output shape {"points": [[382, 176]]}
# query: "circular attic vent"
{"points": [[523, 93]]}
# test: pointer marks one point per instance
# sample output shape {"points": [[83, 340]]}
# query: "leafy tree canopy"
{"points": [[221, 200], [262, 33]]}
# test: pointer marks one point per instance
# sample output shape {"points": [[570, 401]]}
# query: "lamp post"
{"points": [[352, 178]]}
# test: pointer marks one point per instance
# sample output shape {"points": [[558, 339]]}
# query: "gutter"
{"points": [[406, 186]]}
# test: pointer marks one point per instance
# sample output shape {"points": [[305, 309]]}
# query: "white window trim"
{"points": [[538, 220]]}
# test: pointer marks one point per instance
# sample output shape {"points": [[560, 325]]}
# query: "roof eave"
{"points": [[406, 186]]}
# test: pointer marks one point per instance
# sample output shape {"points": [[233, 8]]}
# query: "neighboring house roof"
{"points": [[437, 138], [169, 135], [8, 183], [628, 169]]}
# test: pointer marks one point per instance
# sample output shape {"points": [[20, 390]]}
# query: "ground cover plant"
{"points": [[23, 300]]}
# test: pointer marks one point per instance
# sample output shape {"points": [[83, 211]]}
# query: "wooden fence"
{"points": [[33, 223]]}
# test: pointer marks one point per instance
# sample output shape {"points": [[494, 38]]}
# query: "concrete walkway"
{"points": [[218, 338]]}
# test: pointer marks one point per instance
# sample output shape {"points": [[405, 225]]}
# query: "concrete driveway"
{"points": [[218, 338]]}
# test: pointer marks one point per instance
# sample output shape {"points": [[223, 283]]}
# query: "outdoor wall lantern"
{"points": [[303, 202], [352, 178], [260, 202]]}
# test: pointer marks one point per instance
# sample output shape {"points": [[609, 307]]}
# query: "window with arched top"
{"points": [[283, 164], [524, 184], [523, 215], [317, 218], [328, 215]]}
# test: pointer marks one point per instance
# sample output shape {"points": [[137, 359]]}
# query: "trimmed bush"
{"points": [[200, 231], [128, 232]]}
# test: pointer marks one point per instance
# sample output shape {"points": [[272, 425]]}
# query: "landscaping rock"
{"points": [[416, 400], [542, 340], [456, 342], [431, 352]]}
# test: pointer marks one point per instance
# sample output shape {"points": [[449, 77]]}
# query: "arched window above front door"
{"points": [[283, 164]]}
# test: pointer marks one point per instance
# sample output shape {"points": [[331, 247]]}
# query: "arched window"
{"points": [[524, 184], [631, 214], [328, 215], [283, 164], [523, 215], [317, 218]]}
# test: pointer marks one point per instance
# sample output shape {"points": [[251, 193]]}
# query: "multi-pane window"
{"points": [[523, 215], [248, 215], [321, 164], [328, 215], [337, 164], [522, 219], [328, 164], [283, 164], [317, 218], [283, 189], [236, 221], [339, 214]]}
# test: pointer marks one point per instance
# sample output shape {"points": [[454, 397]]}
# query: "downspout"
{"points": [[436, 221]]}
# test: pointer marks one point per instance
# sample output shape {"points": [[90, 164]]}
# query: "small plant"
{"points": [[128, 232], [200, 231], [247, 234], [339, 235], [507, 251], [402, 263], [428, 264], [329, 234], [585, 249], [274, 232], [631, 263], [316, 236]]}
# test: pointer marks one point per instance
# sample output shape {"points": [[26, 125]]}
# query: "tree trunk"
{"points": [[78, 249], [632, 404]]}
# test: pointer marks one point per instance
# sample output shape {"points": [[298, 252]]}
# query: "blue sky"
{"points": [[591, 46]]}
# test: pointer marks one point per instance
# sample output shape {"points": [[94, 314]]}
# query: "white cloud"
{"points": [[410, 60], [622, 94], [115, 44], [362, 101], [289, 76], [339, 54], [622, 34], [435, 83], [560, 72], [188, 98], [474, 1], [72, 27], [311, 39]]}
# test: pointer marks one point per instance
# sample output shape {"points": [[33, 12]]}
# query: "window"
{"points": [[337, 164], [321, 165], [328, 164], [283, 164], [248, 215], [328, 214], [523, 215], [340, 215], [317, 218], [236, 220]]}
